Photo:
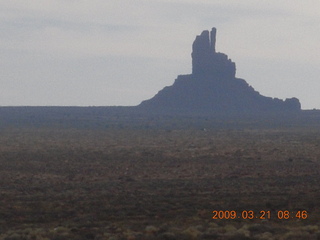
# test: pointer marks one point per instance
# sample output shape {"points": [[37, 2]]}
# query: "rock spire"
{"points": [[213, 87], [205, 59]]}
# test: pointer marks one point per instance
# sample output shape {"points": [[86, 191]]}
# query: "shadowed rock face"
{"points": [[212, 87], [205, 59]]}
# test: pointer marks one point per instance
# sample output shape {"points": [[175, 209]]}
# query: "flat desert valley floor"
{"points": [[122, 182]]}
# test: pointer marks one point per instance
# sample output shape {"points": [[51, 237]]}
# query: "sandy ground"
{"points": [[159, 184]]}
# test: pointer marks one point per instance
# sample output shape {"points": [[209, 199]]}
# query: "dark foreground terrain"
{"points": [[114, 176]]}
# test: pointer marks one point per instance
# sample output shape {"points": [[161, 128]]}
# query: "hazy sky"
{"points": [[120, 52]]}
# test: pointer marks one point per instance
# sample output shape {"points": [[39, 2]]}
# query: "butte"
{"points": [[213, 87]]}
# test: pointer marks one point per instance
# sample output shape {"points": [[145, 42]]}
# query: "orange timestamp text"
{"points": [[263, 214]]}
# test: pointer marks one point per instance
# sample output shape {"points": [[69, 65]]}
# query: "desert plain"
{"points": [[123, 177]]}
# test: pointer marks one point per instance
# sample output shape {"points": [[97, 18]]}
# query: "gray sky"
{"points": [[105, 53]]}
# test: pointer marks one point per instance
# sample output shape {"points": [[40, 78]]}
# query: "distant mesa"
{"points": [[213, 88]]}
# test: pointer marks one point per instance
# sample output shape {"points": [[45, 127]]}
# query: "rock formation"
{"points": [[205, 59], [212, 87]]}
